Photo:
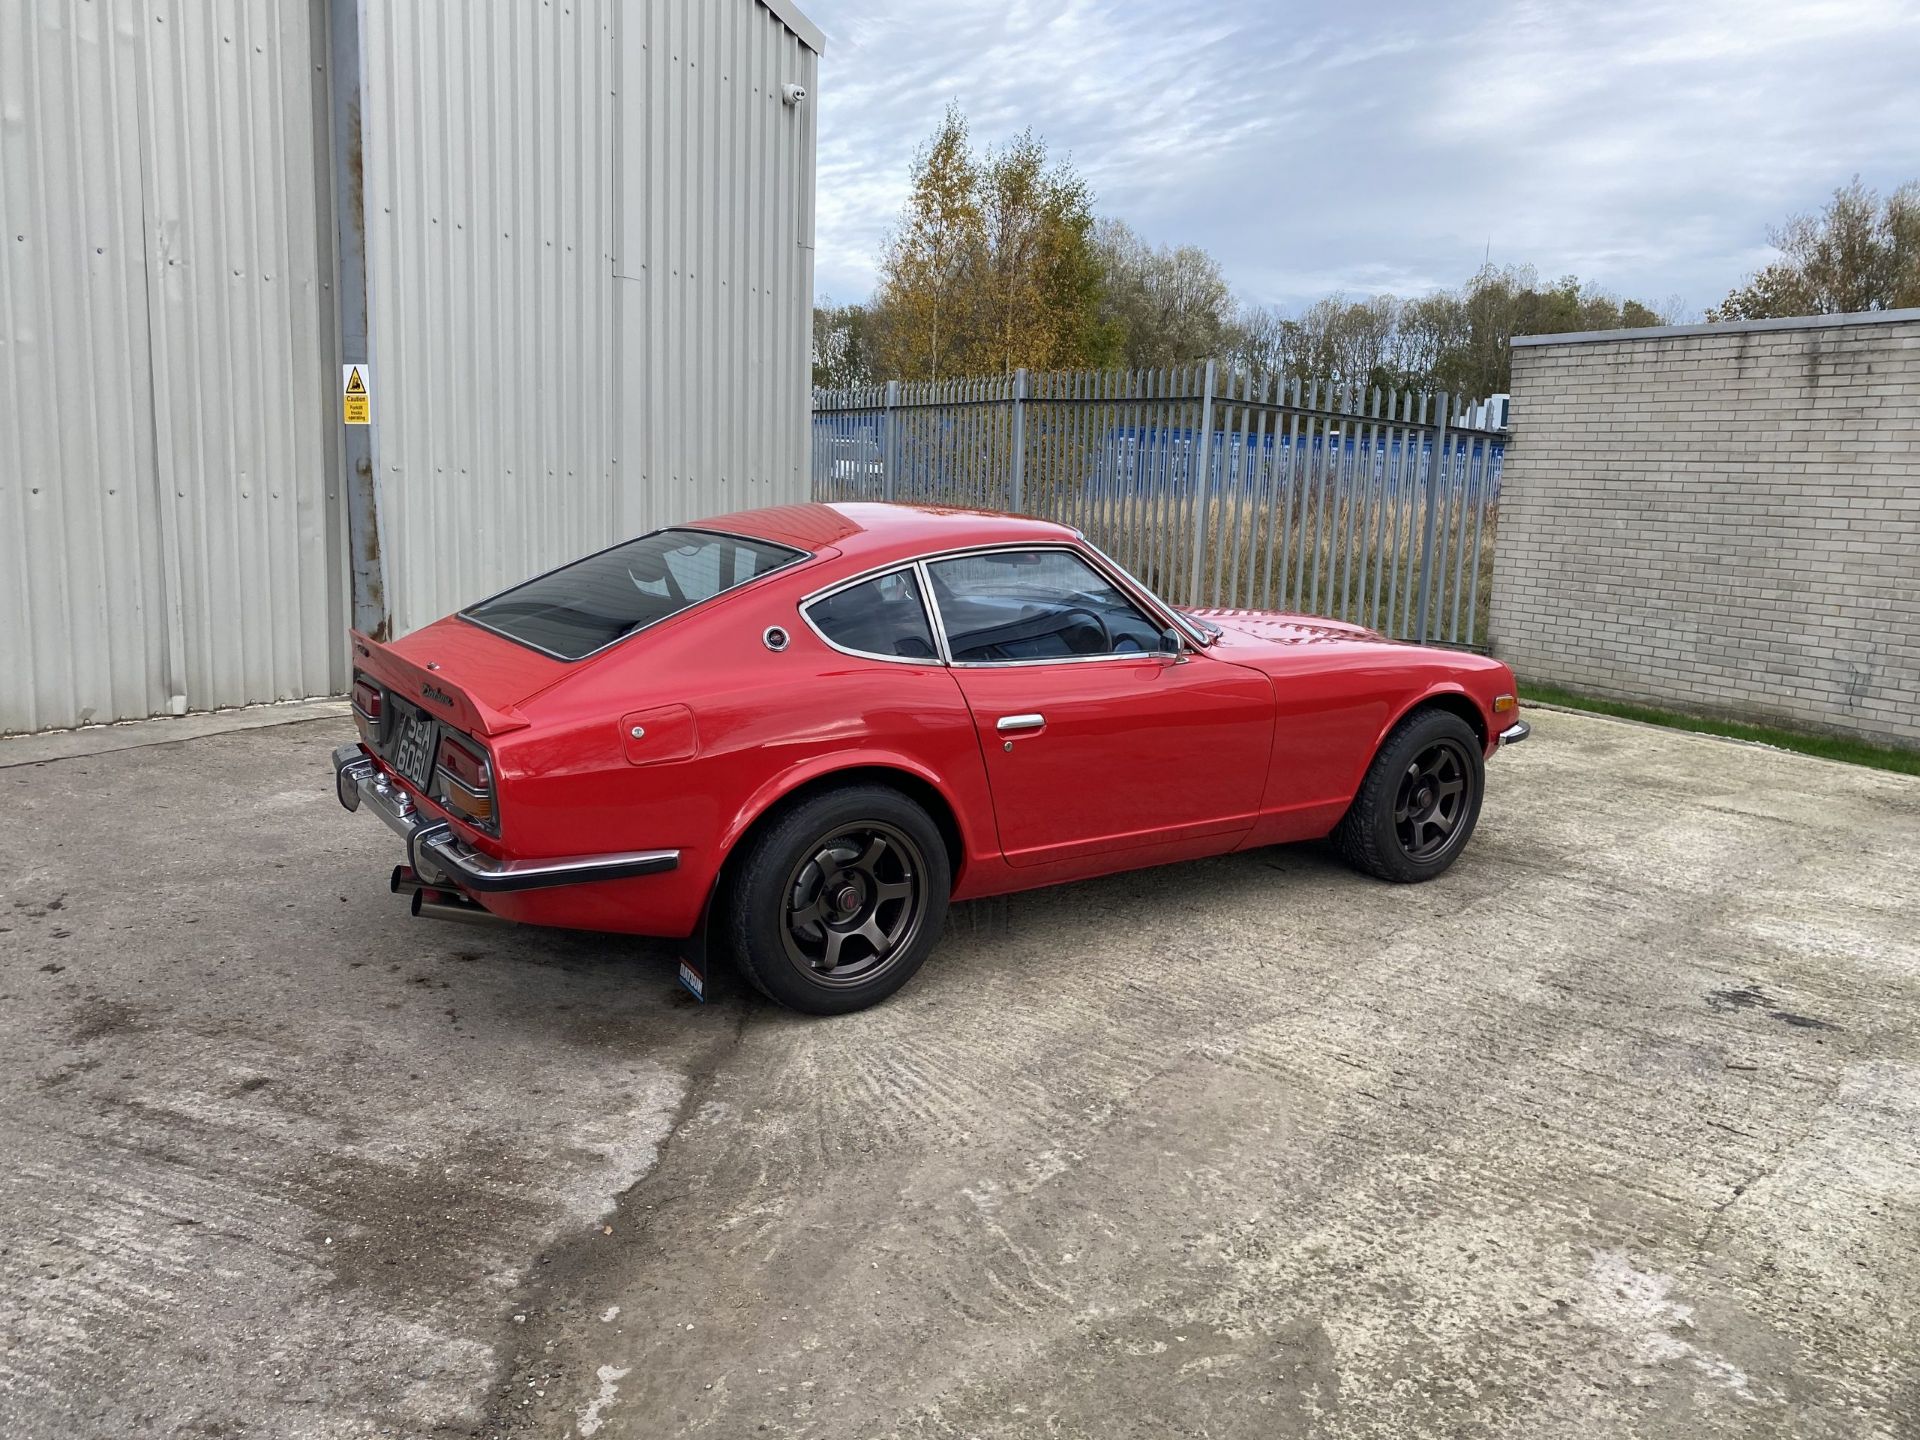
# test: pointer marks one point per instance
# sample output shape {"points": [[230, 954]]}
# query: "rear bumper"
{"points": [[436, 853], [1515, 733]]}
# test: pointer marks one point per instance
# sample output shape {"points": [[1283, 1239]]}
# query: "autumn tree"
{"points": [[1167, 305], [997, 263], [1859, 253], [1502, 302], [844, 339], [1460, 341], [928, 268], [992, 266], [1434, 330], [1039, 279], [1351, 342], [1261, 341]]}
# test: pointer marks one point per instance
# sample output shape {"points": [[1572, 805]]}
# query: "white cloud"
{"points": [[1642, 144]]}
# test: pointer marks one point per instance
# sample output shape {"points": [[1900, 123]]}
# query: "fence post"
{"points": [[1019, 478], [890, 455], [1426, 535], [1202, 488]]}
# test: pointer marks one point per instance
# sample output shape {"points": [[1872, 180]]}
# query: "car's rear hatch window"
{"points": [[571, 612]]}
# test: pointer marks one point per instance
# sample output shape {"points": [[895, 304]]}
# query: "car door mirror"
{"points": [[1170, 645]]}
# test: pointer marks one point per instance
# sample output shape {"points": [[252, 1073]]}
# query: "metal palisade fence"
{"points": [[1216, 488]]}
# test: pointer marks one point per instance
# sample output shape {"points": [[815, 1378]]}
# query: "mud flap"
{"points": [[693, 977], [701, 974]]}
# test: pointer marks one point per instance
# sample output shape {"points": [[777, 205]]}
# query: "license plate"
{"points": [[413, 750]]}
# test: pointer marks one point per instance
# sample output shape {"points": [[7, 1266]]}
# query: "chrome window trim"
{"points": [[799, 557], [926, 611], [940, 642], [1081, 551], [1138, 587], [1081, 548], [1063, 660]]}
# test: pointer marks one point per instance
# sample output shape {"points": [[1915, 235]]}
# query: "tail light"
{"points": [[463, 781], [369, 703]]}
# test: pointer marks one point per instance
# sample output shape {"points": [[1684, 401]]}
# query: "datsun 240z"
{"points": [[793, 736]]}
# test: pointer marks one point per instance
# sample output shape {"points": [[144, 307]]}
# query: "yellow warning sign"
{"points": [[356, 402]]}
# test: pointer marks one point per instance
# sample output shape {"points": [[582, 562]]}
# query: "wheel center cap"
{"points": [[1424, 798], [847, 900]]}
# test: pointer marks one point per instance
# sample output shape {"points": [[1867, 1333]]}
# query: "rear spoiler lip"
{"points": [[431, 692]]}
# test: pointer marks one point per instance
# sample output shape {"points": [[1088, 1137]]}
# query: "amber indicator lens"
{"points": [[469, 780]]}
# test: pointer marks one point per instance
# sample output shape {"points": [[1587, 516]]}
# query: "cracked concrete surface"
{"points": [[1613, 1131], [280, 1157]]}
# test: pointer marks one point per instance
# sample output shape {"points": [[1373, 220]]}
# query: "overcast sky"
{"points": [[1319, 146]]}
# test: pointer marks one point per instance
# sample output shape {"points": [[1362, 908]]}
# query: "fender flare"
{"points": [[695, 947], [777, 788], [1437, 689], [1434, 690]]}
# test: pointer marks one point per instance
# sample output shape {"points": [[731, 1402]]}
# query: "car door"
{"points": [[1101, 733]]}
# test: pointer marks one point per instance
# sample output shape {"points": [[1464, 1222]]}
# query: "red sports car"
{"points": [[791, 736]]}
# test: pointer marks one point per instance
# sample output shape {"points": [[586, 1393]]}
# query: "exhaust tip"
{"points": [[445, 905]]}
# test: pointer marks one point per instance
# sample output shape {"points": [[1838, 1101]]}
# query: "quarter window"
{"points": [[883, 616], [1004, 606]]}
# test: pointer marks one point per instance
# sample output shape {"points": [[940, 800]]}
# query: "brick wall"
{"points": [[1724, 519]]}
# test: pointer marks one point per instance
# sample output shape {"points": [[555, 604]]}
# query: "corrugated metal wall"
{"points": [[589, 300], [589, 270], [167, 532], [715, 261], [489, 201]]}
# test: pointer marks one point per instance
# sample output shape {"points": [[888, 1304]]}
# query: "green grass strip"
{"points": [[1828, 747]]}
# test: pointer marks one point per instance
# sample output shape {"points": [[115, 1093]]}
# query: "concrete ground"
{"points": [[1613, 1131]]}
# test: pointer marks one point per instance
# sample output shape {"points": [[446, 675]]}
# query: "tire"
{"points": [[1406, 824], [838, 901]]}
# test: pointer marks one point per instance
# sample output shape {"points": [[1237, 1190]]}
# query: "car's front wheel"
{"points": [[1419, 802], [838, 901]]}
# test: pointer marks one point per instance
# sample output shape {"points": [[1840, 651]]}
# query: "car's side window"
{"points": [[883, 616], [1008, 606]]}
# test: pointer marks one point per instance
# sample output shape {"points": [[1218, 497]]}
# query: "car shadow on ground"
{"points": [[650, 967]]}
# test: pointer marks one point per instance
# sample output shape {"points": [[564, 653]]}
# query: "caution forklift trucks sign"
{"points": [[356, 403]]}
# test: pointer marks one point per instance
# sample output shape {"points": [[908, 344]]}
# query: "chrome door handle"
{"points": [[1009, 723]]}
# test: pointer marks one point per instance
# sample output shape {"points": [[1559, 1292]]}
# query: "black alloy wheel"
{"points": [[1432, 799], [837, 900], [1419, 802], [854, 903]]}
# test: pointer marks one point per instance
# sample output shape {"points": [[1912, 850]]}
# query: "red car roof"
{"points": [[874, 533]]}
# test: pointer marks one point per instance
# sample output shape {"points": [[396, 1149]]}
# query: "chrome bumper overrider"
{"points": [[1515, 733], [436, 853]]}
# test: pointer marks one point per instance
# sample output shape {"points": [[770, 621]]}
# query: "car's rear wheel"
{"points": [[839, 900], [1419, 802]]}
